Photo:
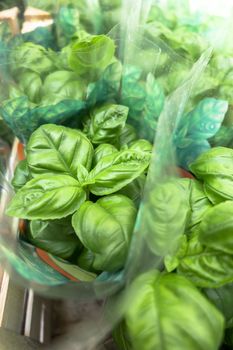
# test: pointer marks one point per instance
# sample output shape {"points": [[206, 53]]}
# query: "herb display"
{"points": [[88, 117], [71, 191]]}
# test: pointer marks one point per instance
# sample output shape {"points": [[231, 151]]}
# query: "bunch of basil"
{"points": [[81, 189], [195, 283], [60, 88]]}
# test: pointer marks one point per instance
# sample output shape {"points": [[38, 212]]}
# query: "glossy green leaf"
{"points": [[221, 186], [105, 228], [165, 311], [216, 228], [55, 236], [171, 261], [134, 190], [47, 197], [141, 145], [206, 267], [117, 170], [29, 56], [82, 174], [23, 117], [103, 150], [21, 175], [86, 259], [199, 204], [56, 149], [106, 123], [62, 85], [165, 215], [213, 197], [30, 83], [216, 161], [90, 54], [127, 135]]}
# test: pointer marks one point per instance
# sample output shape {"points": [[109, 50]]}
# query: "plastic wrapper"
{"points": [[135, 86]]}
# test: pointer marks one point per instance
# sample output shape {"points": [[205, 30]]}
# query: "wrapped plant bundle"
{"points": [[105, 209]]}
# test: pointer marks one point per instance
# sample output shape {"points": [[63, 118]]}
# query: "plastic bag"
{"points": [[53, 277]]}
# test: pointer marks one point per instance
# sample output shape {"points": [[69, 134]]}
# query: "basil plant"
{"points": [[79, 189]]}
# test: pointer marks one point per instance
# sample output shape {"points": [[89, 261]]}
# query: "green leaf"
{"points": [[220, 186], [106, 123], [62, 85], [165, 216], [54, 149], [127, 135], [199, 204], [47, 197], [216, 228], [23, 117], [82, 174], [30, 83], [141, 145], [29, 56], [222, 299], [91, 54], [103, 150], [117, 170], [213, 197], [171, 261], [165, 311], [21, 175], [86, 259], [204, 266], [56, 237], [134, 190], [216, 161], [105, 228]]}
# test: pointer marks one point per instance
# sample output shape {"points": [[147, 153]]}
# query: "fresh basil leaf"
{"points": [[30, 56], [127, 135], [55, 236], [107, 87], [54, 149], [21, 175], [103, 150], [159, 308], [30, 83], [105, 228], [106, 122], [47, 197], [190, 149], [204, 266], [63, 85], [171, 261], [82, 173], [222, 299], [91, 54], [86, 259], [134, 190], [213, 197], [199, 204], [141, 145], [165, 215], [207, 117], [216, 161], [220, 186], [117, 170], [216, 228]]}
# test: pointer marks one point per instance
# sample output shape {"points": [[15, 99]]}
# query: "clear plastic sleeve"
{"points": [[128, 81]]}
